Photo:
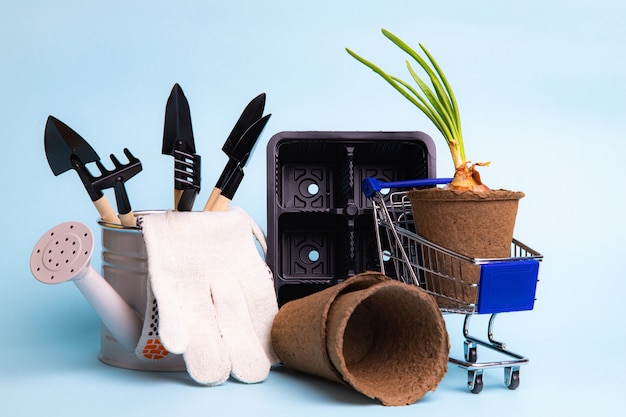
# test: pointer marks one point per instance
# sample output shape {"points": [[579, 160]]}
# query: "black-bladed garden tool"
{"points": [[230, 187], [178, 141], [115, 179], [66, 149], [241, 153], [238, 147]]}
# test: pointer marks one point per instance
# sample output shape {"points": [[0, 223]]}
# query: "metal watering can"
{"points": [[118, 296]]}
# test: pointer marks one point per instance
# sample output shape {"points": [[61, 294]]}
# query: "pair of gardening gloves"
{"points": [[210, 295]]}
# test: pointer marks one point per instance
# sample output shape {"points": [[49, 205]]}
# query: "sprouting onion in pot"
{"points": [[438, 103]]}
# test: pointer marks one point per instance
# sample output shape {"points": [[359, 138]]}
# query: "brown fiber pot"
{"points": [[384, 338], [477, 225]]}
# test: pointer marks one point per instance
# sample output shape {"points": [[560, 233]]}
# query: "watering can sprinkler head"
{"points": [[63, 254]]}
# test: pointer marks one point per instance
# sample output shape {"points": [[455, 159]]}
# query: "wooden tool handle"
{"points": [[215, 194], [227, 194], [128, 219], [106, 210], [177, 195], [221, 203]]}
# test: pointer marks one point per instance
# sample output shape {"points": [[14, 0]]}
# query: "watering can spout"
{"points": [[121, 320], [63, 254]]}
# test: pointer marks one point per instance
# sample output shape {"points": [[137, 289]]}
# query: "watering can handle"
{"points": [[370, 186]]}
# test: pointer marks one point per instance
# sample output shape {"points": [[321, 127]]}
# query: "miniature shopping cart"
{"points": [[504, 284]]}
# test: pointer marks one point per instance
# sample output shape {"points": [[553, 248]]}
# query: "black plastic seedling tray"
{"points": [[320, 227]]}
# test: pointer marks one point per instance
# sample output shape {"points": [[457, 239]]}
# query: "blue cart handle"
{"points": [[370, 186]]}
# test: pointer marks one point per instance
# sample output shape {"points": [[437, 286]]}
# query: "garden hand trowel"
{"points": [[238, 147], [66, 149], [178, 141]]}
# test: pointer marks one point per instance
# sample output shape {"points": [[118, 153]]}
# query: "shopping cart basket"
{"points": [[504, 284]]}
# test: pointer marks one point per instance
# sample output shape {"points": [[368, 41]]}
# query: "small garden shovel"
{"points": [[66, 149], [178, 141], [238, 147]]}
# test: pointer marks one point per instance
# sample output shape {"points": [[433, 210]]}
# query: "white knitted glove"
{"points": [[215, 293]]}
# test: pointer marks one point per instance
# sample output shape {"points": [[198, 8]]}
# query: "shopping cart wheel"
{"points": [[471, 355], [475, 381], [470, 351], [511, 378]]}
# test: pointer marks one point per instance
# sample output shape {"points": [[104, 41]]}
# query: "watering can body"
{"points": [[125, 268], [119, 295]]}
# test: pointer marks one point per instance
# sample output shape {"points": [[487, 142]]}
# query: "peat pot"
{"points": [[476, 225]]}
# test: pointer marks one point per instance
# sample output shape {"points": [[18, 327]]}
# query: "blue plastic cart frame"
{"points": [[505, 284]]}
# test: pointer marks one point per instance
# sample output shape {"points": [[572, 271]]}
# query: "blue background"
{"points": [[540, 85]]}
